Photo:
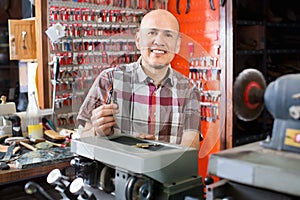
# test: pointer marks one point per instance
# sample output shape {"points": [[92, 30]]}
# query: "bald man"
{"points": [[147, 98]]}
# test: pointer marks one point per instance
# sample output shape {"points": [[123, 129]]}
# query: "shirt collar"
{"points": [[142, 77]]}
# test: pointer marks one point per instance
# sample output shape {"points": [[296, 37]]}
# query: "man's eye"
{"points": [[169, 35], [151, 33]]}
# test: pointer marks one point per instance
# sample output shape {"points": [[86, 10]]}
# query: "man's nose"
{"points": [[159, 39]]}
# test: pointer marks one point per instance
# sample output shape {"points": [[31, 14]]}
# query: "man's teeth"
{"points": [[157, 51]]}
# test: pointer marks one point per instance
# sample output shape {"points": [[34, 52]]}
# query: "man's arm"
{"points": [[87, 130], [101, 122], [190, 139]]}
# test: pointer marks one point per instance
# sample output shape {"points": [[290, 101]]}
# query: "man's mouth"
{"points": [[158, 51]]}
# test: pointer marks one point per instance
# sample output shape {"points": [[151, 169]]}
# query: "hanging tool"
{"points": [[24, 33], [222, 3], [56, 66], [188, 6], [212, 6]]}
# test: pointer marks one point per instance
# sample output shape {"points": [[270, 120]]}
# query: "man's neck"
{"points": [[157, 75]]}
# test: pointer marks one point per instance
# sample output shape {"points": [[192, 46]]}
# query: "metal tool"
{"points": [[8, 153], [7, 157], [17, 140], [212, 5], [24, 33], [32, 187], [56, 69], [109, 98], [222, 3], [188, 7]]}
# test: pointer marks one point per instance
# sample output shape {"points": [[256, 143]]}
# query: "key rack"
{"points": [[98, 35]]}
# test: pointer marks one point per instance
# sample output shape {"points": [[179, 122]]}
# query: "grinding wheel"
{"points": [[106, 179], [249, 88], [138, 189]]}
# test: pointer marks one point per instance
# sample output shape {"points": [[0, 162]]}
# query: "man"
{"points": [[152, 100]]}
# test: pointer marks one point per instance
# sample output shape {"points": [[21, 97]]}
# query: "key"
{"points": [[145, 145], [24, 33]]}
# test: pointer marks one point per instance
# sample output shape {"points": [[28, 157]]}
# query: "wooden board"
{"points": [[22, 39]]}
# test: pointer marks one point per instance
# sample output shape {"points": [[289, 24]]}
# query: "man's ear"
{"points": [[178, 43], [137, 41]]}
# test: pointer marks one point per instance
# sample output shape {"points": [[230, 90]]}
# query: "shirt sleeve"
{"points": [[192, 111], [94, 98]]}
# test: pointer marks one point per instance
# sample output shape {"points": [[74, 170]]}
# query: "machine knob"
{"points": [[55, 178], [77, 188], [295, 112], [208, 180]]}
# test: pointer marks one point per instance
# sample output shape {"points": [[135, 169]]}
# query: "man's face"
{"points": [[157, 46]]}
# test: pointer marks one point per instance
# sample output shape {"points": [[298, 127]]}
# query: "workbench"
{"points": [[15, 175], [254, 172], [13, 180]]}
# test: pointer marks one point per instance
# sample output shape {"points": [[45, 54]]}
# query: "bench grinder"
{"points": [[282, 99]]}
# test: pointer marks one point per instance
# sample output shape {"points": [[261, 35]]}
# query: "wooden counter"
{"points": [[15, 175], [32, 164]]}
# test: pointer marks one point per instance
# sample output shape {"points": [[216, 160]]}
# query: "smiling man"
{"points": [[147, 98]]}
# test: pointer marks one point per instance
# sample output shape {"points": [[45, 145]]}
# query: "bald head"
{"points": [[158, 41], [160, 19]]}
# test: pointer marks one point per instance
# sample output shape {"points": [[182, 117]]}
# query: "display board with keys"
{"points": [[97, 35]]}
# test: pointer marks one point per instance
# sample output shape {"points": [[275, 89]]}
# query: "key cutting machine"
{"points": [[125, 168], [282, 99]]}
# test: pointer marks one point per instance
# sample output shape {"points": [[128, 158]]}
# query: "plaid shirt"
{"points": [[164, 111]]}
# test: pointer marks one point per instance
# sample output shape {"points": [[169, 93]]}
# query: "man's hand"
{"points": [[191, 139], [145, 136], [103, 118]]}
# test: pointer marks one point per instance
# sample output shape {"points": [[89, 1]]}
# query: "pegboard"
{"points": [[96, 35], [200, 29]]}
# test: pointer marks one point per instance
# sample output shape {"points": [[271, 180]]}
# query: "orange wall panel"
{"points": [[200, 26]]}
